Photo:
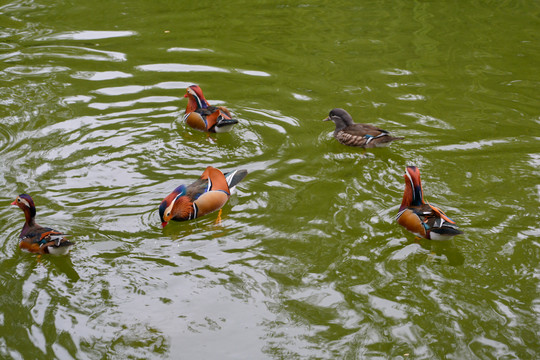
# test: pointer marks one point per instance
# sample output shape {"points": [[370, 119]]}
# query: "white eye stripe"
{"points": [[25, 202], [410, 179]]}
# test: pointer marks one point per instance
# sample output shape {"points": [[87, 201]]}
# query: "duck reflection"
{"points": [[60, 265], [442, 248]]}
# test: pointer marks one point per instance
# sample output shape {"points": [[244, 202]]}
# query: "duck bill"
{"points": [[164, 223], [327, 119], [14, 202]]}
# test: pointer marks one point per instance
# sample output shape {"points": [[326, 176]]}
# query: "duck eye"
{"points": [[18, 199], [168, 213]]}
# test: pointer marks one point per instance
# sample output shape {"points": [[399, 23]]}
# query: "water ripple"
{"points": [[7, 138], [429, 121], [473, 145], [132, 89], [86, 35], [180, 68], [100, 75], [72, 52], [253, 73], [308, 261], [35, 70], [181, 49], [130, 103]]}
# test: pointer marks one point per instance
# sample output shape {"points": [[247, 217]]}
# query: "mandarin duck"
{"points": [[362, 135], [421, 218], [208, 194], [202, 116], [38, 239]]}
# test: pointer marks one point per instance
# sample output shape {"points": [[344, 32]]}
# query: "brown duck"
{"points": [[208, 194], [204, 117], [420, 217], [35, 238], [362, 135]]}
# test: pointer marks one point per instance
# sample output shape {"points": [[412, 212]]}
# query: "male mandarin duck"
{"points": [[208, 194], [202, 116], [421, 218], [352, 134], [35, 238]]}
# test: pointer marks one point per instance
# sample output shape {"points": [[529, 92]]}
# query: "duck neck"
{"points": [[407, 198], [30, 219], [418, 196], [340, 125]]}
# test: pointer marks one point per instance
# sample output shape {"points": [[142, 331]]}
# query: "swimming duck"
{"points": [[421, 218], [38, 239], [202, 116], [208, 194], [352, 134]]}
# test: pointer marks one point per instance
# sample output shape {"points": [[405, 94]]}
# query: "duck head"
{"points": [[340, 117], [196, 99], [166, 212], [413, 195], [26, 204]]}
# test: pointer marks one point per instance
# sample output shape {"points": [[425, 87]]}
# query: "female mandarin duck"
{"points": [[35, 238], [208, 194], [363, 135], [202, 116], [419, 217]]}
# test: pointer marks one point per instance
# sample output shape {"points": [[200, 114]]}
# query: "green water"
{"points": [[308, 262]]}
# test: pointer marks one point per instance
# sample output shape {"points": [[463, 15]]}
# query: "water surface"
{"points": [[308, 262]]}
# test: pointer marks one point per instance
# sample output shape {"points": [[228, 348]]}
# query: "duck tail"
{"points": [[234, 177]]}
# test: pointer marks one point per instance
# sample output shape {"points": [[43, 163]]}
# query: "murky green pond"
{"points": [[308, 262]]}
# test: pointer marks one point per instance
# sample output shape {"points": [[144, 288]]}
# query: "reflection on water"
{"points": [[308, 261]]}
